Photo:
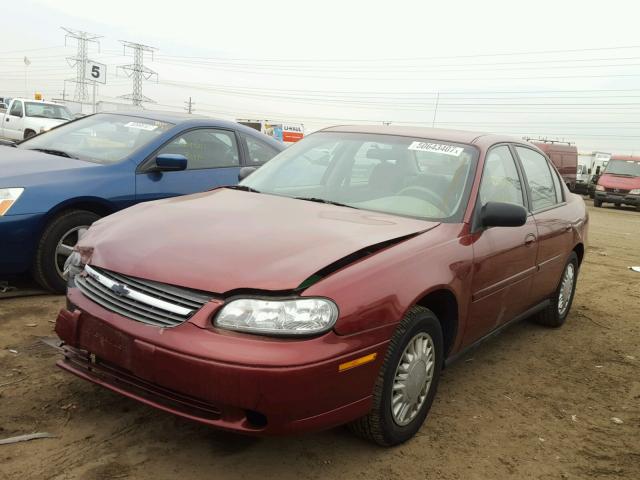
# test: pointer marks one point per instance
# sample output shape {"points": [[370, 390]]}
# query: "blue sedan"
{"points": [[53, 186]]}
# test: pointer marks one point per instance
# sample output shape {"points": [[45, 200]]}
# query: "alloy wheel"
{"points": [[66, 244]]}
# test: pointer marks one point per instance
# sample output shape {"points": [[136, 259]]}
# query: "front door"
{"points": [[213, 160], [504, 257], [14, 121]]}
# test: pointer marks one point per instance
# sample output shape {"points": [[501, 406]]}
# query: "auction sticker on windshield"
{"points": [[141, 126], [436, 148]]}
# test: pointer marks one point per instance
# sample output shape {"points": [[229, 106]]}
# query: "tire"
{"points": [[555, 316], [617, 205], [29, 134], [380, 424], [46, 263], [597, 203]]}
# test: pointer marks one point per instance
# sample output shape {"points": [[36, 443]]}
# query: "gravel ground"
{"points": [[531, 403]]}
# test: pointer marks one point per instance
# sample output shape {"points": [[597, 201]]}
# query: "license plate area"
{"points": [[106, 342]]}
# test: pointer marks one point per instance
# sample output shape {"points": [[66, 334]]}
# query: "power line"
{"points": [[83, 39], [137, 71], [351, 60]]}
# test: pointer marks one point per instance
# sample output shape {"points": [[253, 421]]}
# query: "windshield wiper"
{"points": [[53, 151], [244, 188], [323, 200], [621, 174]]}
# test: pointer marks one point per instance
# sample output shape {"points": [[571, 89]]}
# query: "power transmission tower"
{"points": [[83, 40], [189, 106], [138, 72]]}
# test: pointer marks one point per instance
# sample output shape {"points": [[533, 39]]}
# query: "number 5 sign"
{"points": [[96, 72]]}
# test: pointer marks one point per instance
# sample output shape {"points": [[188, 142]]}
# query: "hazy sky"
{"points": [[561, 69]]}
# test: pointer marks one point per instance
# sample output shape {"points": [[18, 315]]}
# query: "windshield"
{"points": [[623, 167], [47, 110], [103, 138], [413, 177]]}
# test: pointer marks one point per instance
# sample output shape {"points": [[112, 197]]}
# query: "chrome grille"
{"points": [[616, 190], [144, 301]]}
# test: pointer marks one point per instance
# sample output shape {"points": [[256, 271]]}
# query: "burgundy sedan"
{"points": [[331, 286]]}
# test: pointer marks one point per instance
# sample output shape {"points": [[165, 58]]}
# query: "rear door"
{"points": [[553, 220], [213, 160], [504, 257], [258, 152]]}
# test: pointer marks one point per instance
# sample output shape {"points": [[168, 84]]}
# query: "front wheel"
{"points": [[556, 313], [56, 244], [407, 382], [597, 203]]}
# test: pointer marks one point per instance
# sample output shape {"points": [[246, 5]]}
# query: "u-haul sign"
{"points": [[292, 133]]}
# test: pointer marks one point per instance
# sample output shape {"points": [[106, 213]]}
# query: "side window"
{"points": [[500, 179], [16, 109], [259, 152], [541, 182], [206, 148], [557, 185]]}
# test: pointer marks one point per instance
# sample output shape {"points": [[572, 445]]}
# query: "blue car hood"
{"points": [[24, 168]]}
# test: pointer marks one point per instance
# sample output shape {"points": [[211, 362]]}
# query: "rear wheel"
{"points": [[617, 205], [556, 313], [56, 244], [407, 381], [597, 203], [29, 134]]}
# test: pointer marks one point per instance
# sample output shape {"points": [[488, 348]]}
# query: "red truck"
{"points": [[620, 182], [564, 156]]}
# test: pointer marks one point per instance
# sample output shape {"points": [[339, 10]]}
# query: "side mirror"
{"points": [[498, 214], [245, 172], [597, 170], [589, 172], [170, 162]]}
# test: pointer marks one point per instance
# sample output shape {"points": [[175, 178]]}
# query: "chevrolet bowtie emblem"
{"points": [[119, 289]]}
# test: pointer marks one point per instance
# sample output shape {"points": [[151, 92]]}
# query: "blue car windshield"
{"points": [[103, 138]]}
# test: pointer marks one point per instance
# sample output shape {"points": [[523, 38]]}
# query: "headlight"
{"points": [[635, 191], [600, 188], [73, 265], [9, 196], [300, 316], [45, 129]]}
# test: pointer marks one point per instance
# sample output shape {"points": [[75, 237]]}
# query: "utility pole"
{"points": [[138, 72], [83, 39], [189, 106], [435, 111]]}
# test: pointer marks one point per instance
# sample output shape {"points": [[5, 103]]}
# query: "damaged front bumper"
{"points": [[236, 382]]}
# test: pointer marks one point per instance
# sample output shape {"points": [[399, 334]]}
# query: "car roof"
{"points": [[633, 158], [189, 119], [481, 139]]}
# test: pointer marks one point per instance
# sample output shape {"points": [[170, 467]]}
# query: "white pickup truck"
{"points": [[25, 118]]}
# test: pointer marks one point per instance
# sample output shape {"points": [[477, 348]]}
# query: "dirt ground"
{"points": [[531, 403]]}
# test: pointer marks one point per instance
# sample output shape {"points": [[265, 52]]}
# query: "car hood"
{"points": [[17, 165], [226, 240], [47, 122], [608, 180]]}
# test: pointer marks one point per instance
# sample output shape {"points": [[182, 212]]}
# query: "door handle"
{"points": [[529, 239]]}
